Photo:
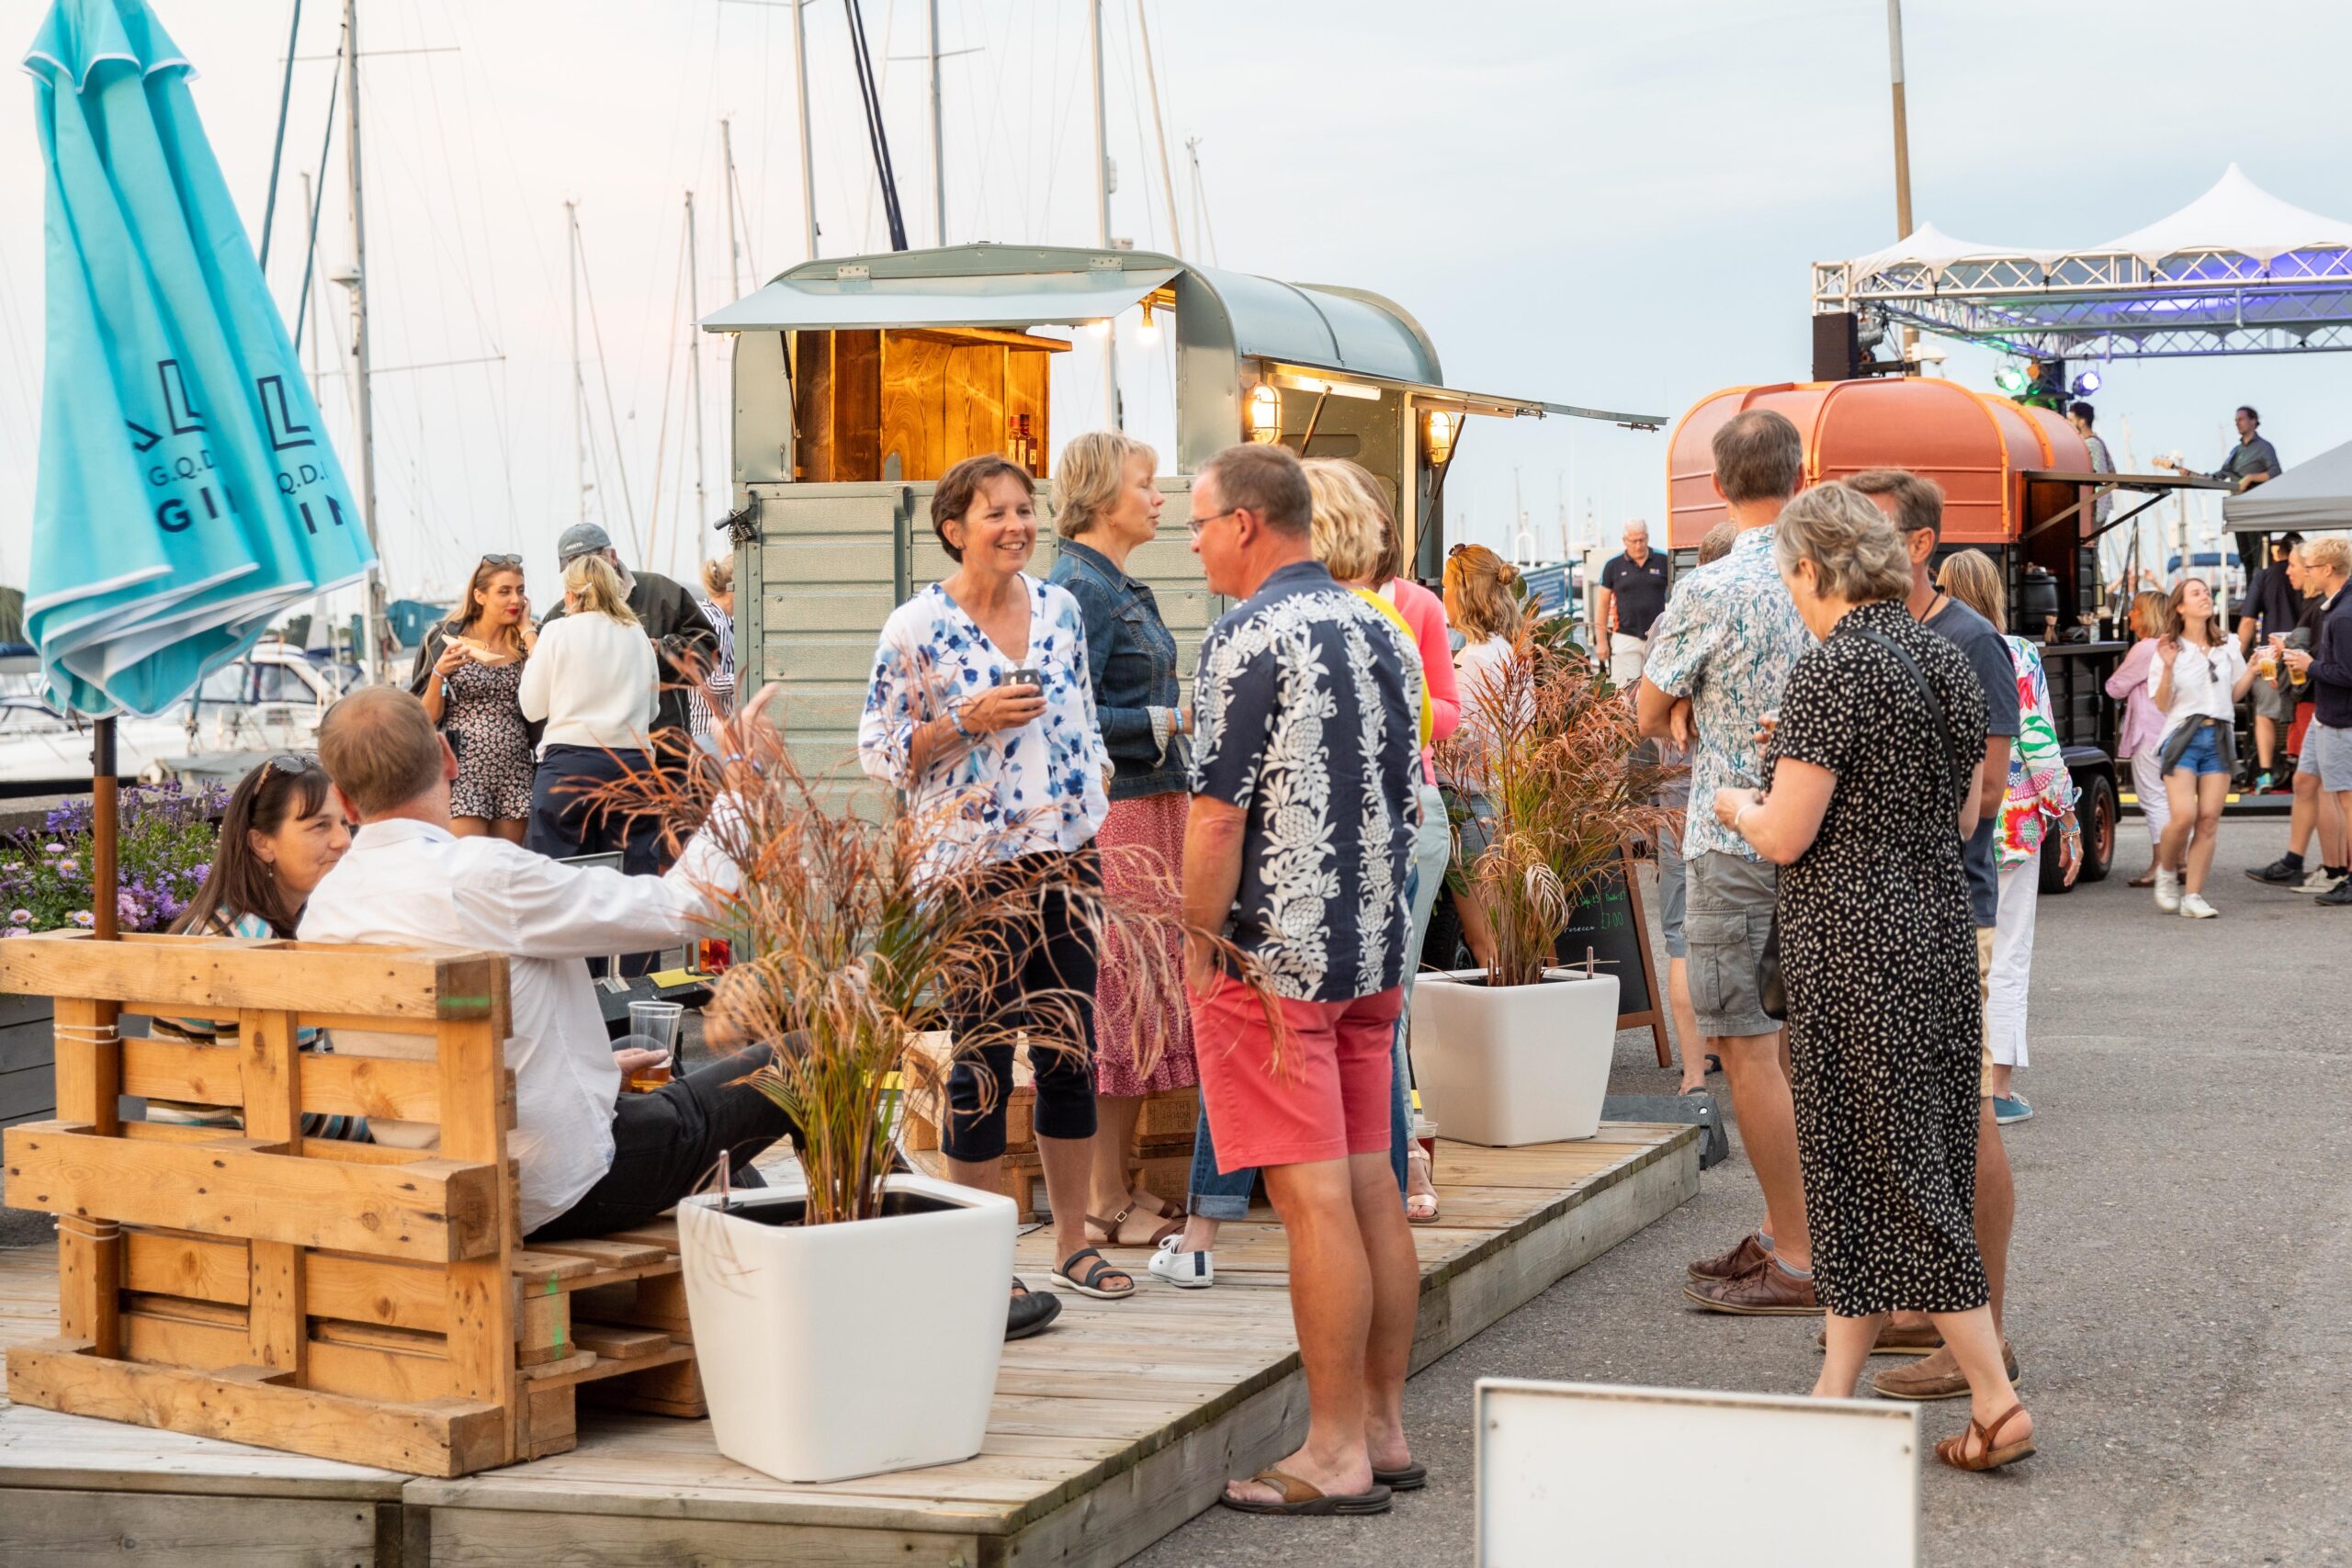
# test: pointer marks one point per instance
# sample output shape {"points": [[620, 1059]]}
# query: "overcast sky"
{"points": [[1603, 204]]}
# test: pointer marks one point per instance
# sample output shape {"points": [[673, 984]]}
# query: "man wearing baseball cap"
{"points": [[667, 613]]}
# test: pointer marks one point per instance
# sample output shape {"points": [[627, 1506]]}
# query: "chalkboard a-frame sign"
{"points": [[1608, 920]]}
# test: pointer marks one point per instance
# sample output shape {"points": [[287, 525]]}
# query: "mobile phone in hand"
{"points": [[1025, 676]]}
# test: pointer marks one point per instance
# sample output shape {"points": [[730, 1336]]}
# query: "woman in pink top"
{"points": [[2144, 723]]}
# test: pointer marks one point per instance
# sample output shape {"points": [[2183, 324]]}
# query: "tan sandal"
{"points": [[1420, 1186], [1954, 1453], [1112, 1232]]}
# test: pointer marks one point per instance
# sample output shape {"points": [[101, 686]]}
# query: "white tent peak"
{"points": [[2235, 215], [1930, 247]]}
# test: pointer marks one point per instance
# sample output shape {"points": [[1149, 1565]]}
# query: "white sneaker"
{"points": [[1185, 1270], [2195, 908], [2168, 892], [2319, 880]]}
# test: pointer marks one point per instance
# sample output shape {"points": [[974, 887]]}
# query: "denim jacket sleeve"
{"points": [[1127, 731]]}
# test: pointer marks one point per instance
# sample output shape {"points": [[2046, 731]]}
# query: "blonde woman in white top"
{"points": [[2198, 675], [593, 680]]}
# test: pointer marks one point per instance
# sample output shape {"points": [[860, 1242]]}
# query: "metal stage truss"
{"points": [[2238, 271]]}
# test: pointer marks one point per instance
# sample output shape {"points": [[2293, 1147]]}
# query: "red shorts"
{"points": [[1329, 1099]]}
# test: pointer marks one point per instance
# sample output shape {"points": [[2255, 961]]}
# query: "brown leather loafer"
{"points": [[1896, 1339], [1733, 1264], [1935, 1377], [1766, 1291]]}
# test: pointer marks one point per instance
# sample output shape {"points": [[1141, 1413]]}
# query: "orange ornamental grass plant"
{"points": [[1549, 756], [857, 924]]}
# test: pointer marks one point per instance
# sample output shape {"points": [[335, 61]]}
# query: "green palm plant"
{"points": [[857, 924], [1549, 758]]}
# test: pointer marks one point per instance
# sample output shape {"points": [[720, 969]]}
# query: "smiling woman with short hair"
{"points": [[981, 709]]}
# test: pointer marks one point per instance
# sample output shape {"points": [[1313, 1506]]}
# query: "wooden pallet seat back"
{"points": [[352, 1300]]}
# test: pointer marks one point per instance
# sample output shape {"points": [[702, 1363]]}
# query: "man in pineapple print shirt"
{"points": [[1305, 767]]}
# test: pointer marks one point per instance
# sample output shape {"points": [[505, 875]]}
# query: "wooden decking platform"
{"points": [[1108, 1432]]}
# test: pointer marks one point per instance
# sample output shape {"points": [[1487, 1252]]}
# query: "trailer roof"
{"points": [[1319, 325]]}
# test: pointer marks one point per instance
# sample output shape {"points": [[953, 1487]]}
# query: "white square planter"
{"points": [[833, 1352], [1512, 1065]]}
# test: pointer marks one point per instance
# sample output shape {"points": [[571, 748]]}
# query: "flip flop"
{"points": [[1300, 1499], [2148, 881], [1411, 1478], [1035, 1318]]}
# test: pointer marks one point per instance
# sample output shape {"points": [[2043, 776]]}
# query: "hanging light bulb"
{"points": [[2086, 383], [1099, 328], [1265, 414], [2010, 379], [1147, 335]]}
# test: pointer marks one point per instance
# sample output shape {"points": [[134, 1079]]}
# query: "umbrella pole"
{"points": [[103, 832]]}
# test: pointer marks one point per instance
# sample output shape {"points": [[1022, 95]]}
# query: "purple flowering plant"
{"points": [[164, 846]]}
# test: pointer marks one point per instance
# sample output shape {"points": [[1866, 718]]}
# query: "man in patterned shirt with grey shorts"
{"points": [[1727, 643]]}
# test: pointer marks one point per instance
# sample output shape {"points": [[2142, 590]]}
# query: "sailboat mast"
{"points": [[800, 107], [694, 365], [938, 143], [579, 387], [727, 191], [1111, 412], [360, 347]]}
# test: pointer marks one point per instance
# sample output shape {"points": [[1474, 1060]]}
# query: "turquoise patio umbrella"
{"points": [[188, 495]]}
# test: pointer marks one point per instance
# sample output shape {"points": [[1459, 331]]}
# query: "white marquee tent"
{"points": [[2236, 271]]}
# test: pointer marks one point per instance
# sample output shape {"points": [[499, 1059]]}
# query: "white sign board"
{"points": [[1574, 1473]]}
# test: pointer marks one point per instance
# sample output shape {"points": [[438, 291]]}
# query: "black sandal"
{"points": [[1089, 1282]]}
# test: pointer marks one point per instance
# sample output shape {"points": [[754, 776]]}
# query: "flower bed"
{"points": [[164, 846]]}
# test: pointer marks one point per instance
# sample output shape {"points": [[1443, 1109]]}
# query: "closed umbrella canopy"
{"points": [[187, 494]]}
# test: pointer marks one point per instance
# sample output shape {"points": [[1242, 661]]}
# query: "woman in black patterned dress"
{"points": [[1866, 803], [466, 674]]}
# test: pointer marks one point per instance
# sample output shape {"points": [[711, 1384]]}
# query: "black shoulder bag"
{"points": [[1772, 986]]}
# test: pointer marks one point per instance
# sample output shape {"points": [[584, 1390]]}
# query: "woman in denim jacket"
{"points": [[1106, 505]]}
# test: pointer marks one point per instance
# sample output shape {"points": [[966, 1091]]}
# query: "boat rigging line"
{"points": [[277, 143], [326, 142], [875, 134]]}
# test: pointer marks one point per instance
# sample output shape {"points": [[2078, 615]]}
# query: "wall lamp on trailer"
{"points": [[1438, 430], [1265, 414]]}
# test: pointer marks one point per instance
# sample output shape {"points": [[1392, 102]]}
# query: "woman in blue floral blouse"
{"points": [[981, 709]]}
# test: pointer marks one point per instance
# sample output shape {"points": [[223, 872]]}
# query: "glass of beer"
{"points": [[656, 1026]]}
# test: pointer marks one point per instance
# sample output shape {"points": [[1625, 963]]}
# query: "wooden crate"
{"points": [[356, 1302]]}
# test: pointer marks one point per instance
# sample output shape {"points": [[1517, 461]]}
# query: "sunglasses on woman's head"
{"points": [[502, 560], [293, 764]]}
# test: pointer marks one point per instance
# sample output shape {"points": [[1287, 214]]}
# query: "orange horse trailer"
{"points": [[1993, 458]]}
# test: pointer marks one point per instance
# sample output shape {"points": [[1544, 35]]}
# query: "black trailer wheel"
{"points": [[2095, 811]]}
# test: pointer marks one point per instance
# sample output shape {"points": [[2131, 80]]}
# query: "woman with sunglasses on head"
{"points": [[2199, 676], [470, 675], [280, 836]]}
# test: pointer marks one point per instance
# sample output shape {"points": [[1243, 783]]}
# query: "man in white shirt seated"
{"points": [[592, 1159]]}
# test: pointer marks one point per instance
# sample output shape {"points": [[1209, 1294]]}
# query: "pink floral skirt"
{"points": [[1143, 845]]}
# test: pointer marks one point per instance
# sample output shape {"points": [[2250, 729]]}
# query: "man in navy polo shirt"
{"points": [[1632, 596]]}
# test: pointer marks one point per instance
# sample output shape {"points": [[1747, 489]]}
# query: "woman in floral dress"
{"points": [[2041, 792]]}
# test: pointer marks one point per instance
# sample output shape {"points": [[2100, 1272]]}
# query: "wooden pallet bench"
{"points": [[359, 1301]]}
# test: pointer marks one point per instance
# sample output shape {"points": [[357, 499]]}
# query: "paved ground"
{"points": [[2184, 1245]]}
